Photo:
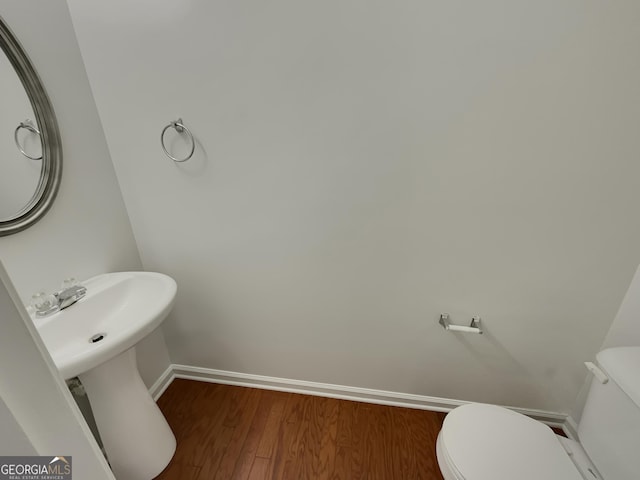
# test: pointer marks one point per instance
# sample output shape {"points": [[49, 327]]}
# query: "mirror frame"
{"points": [[51, 171]]}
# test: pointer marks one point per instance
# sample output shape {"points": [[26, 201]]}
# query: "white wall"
{"points": [[364, 166], [13, 440], [43, 415], [87, 231], [625, 329]]}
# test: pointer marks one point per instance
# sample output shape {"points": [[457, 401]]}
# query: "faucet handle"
{"points": [[44, 304], [69, 282]]}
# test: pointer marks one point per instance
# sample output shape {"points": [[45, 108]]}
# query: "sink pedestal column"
{"points": [[136, 436]]}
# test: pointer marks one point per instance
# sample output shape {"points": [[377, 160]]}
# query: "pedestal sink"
{"points": [[95, 339]]}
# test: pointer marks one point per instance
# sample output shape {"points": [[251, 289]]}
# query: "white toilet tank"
{"points": [[610, 426]]}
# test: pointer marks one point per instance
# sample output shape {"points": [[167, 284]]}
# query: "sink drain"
{"points": [[97, 337]]}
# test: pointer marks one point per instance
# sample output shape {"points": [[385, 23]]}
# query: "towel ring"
{"points": [[27, 124], [180, 128]]}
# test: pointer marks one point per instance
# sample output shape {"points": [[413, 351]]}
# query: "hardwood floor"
{"points": [[227, 432]]}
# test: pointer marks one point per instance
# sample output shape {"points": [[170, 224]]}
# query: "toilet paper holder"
{"points": [[473, 328]]}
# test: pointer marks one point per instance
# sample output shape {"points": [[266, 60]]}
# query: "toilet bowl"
{"points": [[487, 442]]}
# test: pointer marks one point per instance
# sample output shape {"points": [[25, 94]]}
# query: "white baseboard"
{"points": [[343, 392], [570, 427], [163, 382]]}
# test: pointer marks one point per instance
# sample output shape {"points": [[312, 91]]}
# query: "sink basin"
{"points": [[95, 340], [122, 308]]}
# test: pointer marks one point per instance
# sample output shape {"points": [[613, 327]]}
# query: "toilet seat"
{"points": [[486, 442]]}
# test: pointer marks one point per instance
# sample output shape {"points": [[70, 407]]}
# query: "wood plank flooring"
{"points": [[227, 432]]}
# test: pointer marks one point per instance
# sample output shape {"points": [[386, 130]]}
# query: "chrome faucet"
{"points": [[59, 300], [69, 296]]}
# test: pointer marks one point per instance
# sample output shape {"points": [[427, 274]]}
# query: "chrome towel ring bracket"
{"points": [[28, 125], [180, 128]]}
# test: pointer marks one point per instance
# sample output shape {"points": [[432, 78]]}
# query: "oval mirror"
{"points": [[30, 150]]}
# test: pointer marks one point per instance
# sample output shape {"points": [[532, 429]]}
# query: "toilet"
{"points": [[486, 442]]}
